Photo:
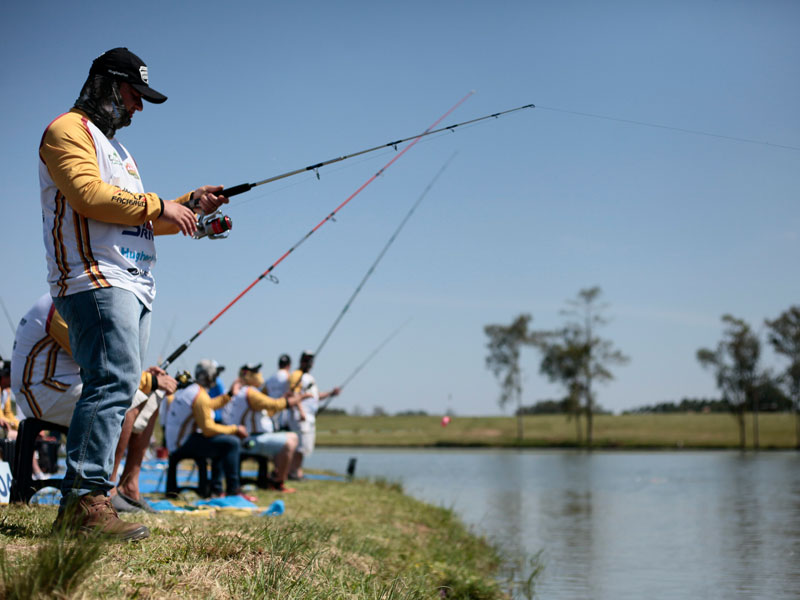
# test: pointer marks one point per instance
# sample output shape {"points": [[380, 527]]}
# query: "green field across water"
{"points": [[657, 431]]}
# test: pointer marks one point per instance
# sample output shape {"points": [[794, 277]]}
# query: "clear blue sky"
{"points": [[676, 228]]}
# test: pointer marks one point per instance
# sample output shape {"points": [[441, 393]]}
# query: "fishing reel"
{"points": [[214, 226], [184, 379]]}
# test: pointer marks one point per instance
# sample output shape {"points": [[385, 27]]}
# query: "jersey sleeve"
{"points": [[203, 411], [146, 382], [68, 151], [259, 401], [161, 227], [8, 413]]}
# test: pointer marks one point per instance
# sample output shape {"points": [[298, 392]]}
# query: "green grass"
{"points": [[336, 540], [625, 431]]}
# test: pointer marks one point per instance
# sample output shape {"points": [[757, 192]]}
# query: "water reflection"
{"points": [[619, 525]]}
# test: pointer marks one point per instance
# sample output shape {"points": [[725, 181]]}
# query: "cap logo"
{"points": [[143, 73]]}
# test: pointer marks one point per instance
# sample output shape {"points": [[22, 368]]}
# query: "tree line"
{"points": [[577, 358]]}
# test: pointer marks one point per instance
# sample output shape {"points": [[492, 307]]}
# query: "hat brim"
{"points": [[149, 93]]}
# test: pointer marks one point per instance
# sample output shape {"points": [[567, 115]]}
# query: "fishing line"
{"points": [[668, 127], [182, 348], [382, 252], [244, 187], [372, 355]]}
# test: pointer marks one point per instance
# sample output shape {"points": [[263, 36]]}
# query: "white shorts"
{"points": [[57, 406], [307, 435]]}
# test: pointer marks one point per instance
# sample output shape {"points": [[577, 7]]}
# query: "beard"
{"points": [[101, 100]]}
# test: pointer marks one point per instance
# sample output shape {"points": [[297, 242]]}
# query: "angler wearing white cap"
{"points": [[98, 227]]}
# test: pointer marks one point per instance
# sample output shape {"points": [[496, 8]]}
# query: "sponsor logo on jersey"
{"points": [[143, 231], [114, 159], [131, 170], [136, 255]]}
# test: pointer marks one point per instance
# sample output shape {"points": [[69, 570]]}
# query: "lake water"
{"points": [[612, 525]]}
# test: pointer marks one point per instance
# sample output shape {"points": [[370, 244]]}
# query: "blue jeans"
{"points": [[109, 329], [223, 450]]}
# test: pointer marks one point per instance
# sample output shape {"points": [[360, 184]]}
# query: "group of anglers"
{"points": [[273, 418]]}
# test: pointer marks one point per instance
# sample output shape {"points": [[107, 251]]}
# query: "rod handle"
{"points": [[236, 190], [181, 349]]}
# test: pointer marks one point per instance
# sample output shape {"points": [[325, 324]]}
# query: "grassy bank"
{"points": [[777, 431], [336, 540]]}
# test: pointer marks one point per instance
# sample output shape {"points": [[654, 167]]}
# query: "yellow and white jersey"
{"points": [[240, 413], [38, 359], [97, 220], [305, 384], [179, 422]]}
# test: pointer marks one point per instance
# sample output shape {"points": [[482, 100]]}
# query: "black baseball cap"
{"points": [[251, 367], [284, 361], [123, 65]]}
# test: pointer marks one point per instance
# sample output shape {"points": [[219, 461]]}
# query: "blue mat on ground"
{"points": [[226, 502], [275, 509]]}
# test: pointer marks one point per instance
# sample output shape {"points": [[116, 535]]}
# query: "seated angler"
{"points": [[190, 430], [254, 410]]}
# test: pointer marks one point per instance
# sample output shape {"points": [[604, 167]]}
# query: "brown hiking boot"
{"points": [[93, 514]]}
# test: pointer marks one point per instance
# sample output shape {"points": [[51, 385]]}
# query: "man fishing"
{"points": [[304, 425], [98, 226]]}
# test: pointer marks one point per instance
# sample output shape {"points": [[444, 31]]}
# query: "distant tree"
{"points": [[544, 407], [735, 365], [784, 336], [411, 413], [769, 396], [335, 411], [378, 411], [564, 353], [505, 343], [701, 405], [577, 357]]}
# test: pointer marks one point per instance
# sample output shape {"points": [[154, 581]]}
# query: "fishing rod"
{"points": [[183, 347], [380, 256], [363, 364], [246, 187]]}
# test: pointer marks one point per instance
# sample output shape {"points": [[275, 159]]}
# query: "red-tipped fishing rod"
{"points": [[380, 256], [183, 347], [372, 355], [245, 187]]}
